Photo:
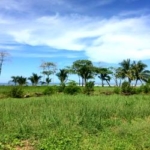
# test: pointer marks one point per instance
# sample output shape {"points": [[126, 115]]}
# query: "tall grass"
{"points": [[77, 122]]}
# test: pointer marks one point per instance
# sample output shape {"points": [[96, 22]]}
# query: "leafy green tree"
{"points": [[140, 74], [31, 80], [34, 79], [62, 75], [116, 74], [126, 71], [72, 70], [48, 80], [14, 80], [21, 80], [104, 75], [84, 69]]}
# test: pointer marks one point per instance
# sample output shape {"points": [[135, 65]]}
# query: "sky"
{"points": [[62, 31]]}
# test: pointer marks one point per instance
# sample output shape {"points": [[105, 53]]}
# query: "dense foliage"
{"points": [[132, 72], [77, 122]]}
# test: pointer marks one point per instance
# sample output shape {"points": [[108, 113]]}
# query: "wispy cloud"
{"points": [[111, 40], [132, 13], [102, 39]]}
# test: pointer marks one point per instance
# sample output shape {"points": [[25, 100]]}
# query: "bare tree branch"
{"points": [[3, 56]]}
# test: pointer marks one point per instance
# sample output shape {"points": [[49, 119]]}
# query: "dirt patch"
{"points": [[25, 145]]}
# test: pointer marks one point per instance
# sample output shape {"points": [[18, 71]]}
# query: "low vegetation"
{"points": [[77, 116], [60, 120]]}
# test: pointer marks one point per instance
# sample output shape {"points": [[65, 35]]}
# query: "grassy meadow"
{"points": [[74, 122]]}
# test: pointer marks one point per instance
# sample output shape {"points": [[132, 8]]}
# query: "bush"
{"points": [[89, 88], [116, 90], [72, 83], [49, 90], [127, 89], [61, 87], [145, 88], [72, 88], [139, 90], [16, 92]]}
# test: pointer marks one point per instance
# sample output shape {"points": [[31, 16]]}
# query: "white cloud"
{"points": [[109, 40]]}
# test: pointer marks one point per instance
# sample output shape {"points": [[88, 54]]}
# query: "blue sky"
{"points": [[62, 31]]}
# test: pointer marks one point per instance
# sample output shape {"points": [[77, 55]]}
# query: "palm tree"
{"points": [[86, 73], [31, 80], [21, 80], [72, 70], [14, 79], [103, 74], [84, 69], [116, 75], [140, 74], [34, 79], [48, 80], [62, 75], [126, 70]]}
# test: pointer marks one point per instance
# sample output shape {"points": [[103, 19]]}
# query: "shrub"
{"points": [[49, 90], [139, 90], [116, 90], [127, 89], [72, 88], [61, 87], [16, 92], [89, 88], [145, 88], [72, 83]]}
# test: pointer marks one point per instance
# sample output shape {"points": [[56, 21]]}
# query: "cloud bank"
{"points": [[102, 39]]}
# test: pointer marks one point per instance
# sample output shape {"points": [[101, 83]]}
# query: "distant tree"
{"points": [[48, 68], [126, 71], [62, 75], [117, 75], [84, 69], [48, 80], [103, 74], [3, 56], [34, 79], [31, 80], [134, 71], [21, 80], [140, 74], [14, 80], [72, 70]]}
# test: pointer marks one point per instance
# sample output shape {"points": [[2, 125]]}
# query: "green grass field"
{"points": [[79, 122]]}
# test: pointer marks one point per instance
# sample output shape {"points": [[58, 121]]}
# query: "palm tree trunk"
{"points": [[129, 80], [82, 82], [108, 83], [116, 81], [102, 82], [79, 80], [120, 83], [85, 81], [141, 81], [136, 82]]}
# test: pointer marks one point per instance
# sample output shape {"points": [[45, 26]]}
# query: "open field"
{"points": [[79, 122]]}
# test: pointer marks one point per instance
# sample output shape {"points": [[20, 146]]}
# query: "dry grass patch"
{"points": [[25, 145]]}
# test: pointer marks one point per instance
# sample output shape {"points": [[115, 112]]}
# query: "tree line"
{"points": [[127, 70]]}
